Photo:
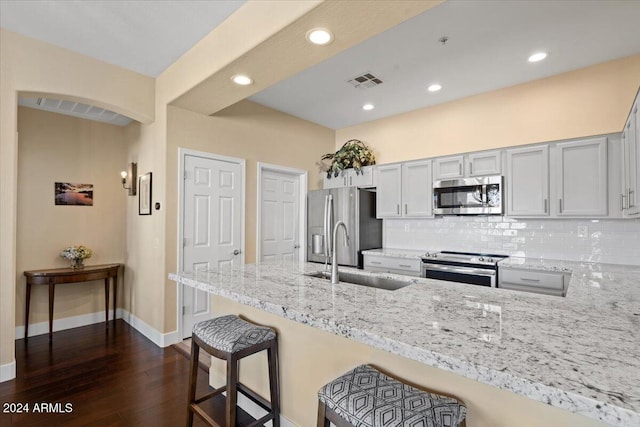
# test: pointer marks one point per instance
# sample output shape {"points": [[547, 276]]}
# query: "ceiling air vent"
{"points": [[76, 109], [365, 81]]}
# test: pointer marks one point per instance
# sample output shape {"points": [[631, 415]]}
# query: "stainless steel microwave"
{"points": [[469, 196]]}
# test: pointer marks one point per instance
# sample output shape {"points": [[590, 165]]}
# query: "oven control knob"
{"points": [[481, 259]]}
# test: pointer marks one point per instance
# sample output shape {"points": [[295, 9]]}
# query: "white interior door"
{"points": [[279, 216], [212, 227]]}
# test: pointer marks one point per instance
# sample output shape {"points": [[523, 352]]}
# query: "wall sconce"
{"points": [[132, 174]]}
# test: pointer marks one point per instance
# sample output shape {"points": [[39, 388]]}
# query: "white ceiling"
{"points": [[489, 43], [145, 36]]}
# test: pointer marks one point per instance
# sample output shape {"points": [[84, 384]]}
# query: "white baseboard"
{"points": [[7, 372], [42, 328], [159, 339]]}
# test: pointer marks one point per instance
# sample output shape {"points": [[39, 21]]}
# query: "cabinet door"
{"points": [[581, 180], [449, 167], [633, 198], [485, 163], [417, 190], [335, 181], [389, 191], [528, 181], [363, 179]]}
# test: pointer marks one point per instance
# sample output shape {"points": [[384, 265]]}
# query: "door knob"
{"points": [[236, 252], [296, 246]]}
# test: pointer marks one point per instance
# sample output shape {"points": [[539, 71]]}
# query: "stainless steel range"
{"points": [[463, 267]]}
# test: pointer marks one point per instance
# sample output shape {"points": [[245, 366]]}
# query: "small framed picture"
{"points": [[144, 194]]}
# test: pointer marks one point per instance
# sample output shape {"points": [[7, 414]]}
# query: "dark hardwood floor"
{"points": [[114, 378]]}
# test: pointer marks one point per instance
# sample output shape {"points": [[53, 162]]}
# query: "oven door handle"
{"points": [[461, 270]]}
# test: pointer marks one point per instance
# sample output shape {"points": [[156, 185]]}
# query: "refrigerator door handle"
{"points": [[328, 236], [324, 228]]}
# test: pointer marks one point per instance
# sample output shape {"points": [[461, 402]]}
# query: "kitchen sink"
{"points": [[362, 280]]}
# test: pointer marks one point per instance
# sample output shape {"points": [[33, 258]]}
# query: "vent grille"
{"points": [[75, 109], [365, 81]]}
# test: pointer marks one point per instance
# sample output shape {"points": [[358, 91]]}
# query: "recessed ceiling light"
{"points": [[320, 36], [368, 107], [434, 87], [242, 80], [538, 56]]}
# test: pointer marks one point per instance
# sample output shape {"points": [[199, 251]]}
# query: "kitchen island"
{"points": [[580, 353]]}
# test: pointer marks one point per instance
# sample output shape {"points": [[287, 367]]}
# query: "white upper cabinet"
{"points": [[484, 163], [349, 178], [630, 199], [389, 191], [581, 178], [449, 167], [405, 190], [528, 181], [417, 189]]}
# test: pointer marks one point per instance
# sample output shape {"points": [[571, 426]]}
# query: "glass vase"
{"points": [[77, 264]]}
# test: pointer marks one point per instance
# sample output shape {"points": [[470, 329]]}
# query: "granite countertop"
{"points": [[580, 353], [396, 253], [551, 265]]}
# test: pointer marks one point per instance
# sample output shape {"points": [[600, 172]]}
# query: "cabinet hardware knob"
{"points": [[236, 252]]}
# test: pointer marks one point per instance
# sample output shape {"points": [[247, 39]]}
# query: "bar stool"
{"points": [[231, 338], [365, 397]]}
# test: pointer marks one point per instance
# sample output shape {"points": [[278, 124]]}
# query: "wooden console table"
{"points": [[53, 277]]}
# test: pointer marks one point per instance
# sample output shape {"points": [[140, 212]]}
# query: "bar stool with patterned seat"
{"points": [[365, 397], [231, 338]]}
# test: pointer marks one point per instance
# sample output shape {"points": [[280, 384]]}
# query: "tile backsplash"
{"points": [[607, 241]]}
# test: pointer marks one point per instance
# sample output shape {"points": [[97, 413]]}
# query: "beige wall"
{"points": [[28, 65], [309, 358], [56, 148], [590, 101], [248, 131]]}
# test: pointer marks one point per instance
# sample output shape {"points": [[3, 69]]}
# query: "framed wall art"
{"points": [[144, 194], [72, 194]]}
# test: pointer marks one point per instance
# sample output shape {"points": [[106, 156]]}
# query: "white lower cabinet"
{"points": [[396, 265], [405, 190], [540, 282]]}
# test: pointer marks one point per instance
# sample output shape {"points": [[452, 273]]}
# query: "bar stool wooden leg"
{"points": [[274, 384], [232, 389], [193, 380], [322, 415]]}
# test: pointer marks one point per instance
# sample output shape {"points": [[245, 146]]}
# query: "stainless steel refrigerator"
{"points": [[357, 209]]}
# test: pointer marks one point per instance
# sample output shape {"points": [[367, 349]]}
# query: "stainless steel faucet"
{"points": [[334, 251]]}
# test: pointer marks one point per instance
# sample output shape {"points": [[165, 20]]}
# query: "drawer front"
{"points": [[393, 271], [400, 264], [532, 279]]}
